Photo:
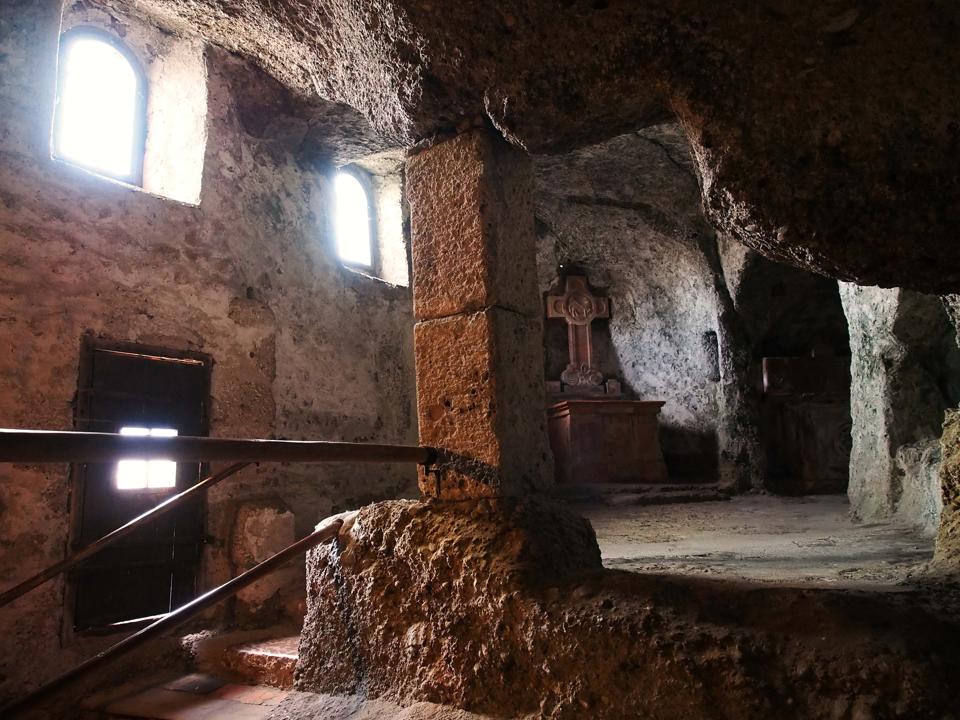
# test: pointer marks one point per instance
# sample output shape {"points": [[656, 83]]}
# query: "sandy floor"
{"points": [[787, 541]]}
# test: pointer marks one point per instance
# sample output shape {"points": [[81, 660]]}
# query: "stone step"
{"points": [[265, 662], [240, 681]]}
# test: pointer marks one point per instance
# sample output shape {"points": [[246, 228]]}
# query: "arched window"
{"points": [[101, 110], [353, 220]]}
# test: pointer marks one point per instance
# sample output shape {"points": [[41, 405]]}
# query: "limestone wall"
{"points": [[904, 372], [302, 347]]}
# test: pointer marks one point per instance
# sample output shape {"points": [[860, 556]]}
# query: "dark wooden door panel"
{"points": [[154, 569]]}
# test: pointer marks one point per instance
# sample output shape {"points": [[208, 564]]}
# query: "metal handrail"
{"points": [[51, 446], [110, 538], [175, 618], [42, 446], [57, 446]]}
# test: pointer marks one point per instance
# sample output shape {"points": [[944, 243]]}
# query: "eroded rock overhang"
{"points": [[826, 135]]}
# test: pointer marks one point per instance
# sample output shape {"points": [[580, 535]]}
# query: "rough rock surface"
{"points": [[455, 589], [786, 312], [780, 100], [904, 373], [627, 213], [947, 555], [951, 304], [502, 607], [921, 494], [692, 314]]}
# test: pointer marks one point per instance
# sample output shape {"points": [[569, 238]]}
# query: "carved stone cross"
{"points": [[579, 307]]}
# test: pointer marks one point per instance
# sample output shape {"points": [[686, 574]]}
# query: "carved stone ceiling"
{"points": [[826, 134]]}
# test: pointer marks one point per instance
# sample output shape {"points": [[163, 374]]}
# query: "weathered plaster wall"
{"points": [[904, 371], [247, 276]]}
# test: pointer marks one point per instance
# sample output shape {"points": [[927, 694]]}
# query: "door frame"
{"points": [[89, 345]]}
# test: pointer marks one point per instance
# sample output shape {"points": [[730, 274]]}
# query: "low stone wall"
{"points": [[502, 607]]}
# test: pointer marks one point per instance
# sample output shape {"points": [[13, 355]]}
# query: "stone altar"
{"points": [[597, 435]]}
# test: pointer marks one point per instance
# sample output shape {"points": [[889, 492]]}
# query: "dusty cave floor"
{"points": [[803, 541]]}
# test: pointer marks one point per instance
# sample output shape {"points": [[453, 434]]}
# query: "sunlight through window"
{"points": [[146, 474], [98, 107], [352, 219]]}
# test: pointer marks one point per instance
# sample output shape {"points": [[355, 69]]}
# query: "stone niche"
{"points": [[627, 214], [806, 428]]}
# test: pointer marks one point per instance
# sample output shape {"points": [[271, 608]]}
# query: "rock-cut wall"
{"points": [[502, 607], [905, 372]]}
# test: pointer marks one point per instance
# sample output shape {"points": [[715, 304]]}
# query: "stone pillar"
{"points": [[479, 333]]}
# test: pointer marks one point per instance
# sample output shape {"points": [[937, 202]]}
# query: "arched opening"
{"points": [[99, 123], [352, 220]]}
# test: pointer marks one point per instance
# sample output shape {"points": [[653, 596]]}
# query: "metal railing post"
{"points": [[109, 539], [175, 618]]}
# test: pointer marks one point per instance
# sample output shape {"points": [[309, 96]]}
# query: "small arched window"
{"points": [[101, 110], [353, 220]]}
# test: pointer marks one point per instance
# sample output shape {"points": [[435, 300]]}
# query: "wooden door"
{"points": [[138, 390]]}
